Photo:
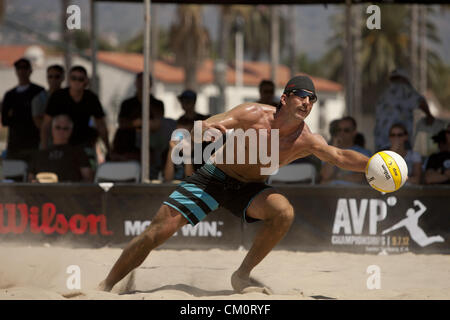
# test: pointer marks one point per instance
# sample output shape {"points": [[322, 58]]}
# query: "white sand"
{"points": [[39, 272]]}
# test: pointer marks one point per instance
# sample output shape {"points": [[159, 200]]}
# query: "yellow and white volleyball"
{"points": [[386, 171]]}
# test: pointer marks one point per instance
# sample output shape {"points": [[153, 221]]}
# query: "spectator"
{"points": [[161, 129], [398, 137], [125, 146], [344, 139], [396, 105], [426, 128], [332, 130], [360, 140], [127, 141], [178, 171], [55, 77], [187, 100], [130, 114], [267, 93], [80, 104], [23, 135], [438, 165], [68, 162]]}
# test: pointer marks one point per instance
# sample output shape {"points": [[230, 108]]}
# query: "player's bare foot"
{"points": [[103, 287], [246, 284]]}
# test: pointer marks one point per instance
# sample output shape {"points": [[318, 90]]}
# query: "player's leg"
{"points": [[277, 215], [166, 222]]}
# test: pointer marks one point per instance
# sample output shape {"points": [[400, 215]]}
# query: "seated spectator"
{"points": [[70, 163], [438, 165], [398, 137], [124, 146], [161, 129], [178, 171], [344, 139], [426, 128], [267, 93], [187, 99]]}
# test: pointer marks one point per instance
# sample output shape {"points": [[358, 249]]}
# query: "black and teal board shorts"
{"points": [[208, 189]]}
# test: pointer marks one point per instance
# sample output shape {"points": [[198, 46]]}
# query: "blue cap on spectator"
{"points": [[188, 94]]}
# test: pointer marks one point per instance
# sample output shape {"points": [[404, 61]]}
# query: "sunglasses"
{"points": [[62, 128], [54, 76], [393, 135], [79, 79], [303, 94]]}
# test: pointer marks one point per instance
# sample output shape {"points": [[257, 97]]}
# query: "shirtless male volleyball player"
{"points": [[241, 188]]}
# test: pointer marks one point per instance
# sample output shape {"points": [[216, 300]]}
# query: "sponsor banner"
{"points": [[66, 213], [350, 219], [133, 207], [362, 220]]}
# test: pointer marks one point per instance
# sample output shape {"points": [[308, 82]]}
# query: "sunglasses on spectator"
{"points": [[79, 79], [54, 76], [303, 94], [346, 130], [393, 135], [62, 128]]}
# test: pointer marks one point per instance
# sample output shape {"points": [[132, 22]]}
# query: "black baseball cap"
{"points": [[188, 94], [300, 83], [22, 61]]}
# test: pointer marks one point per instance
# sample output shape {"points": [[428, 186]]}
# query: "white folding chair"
{"points": [[122, 171], [294, 173], [14, 170]]}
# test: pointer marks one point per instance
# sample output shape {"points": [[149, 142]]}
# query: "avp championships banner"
{"points": [[351, 219]]}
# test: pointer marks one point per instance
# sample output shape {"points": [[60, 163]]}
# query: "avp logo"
{"points": [[202, 229], [350, 218]]}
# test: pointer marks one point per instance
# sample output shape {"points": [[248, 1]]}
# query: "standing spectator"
{"points": [[187, 99], [267, 93], [80, 104], [438, 164], [130, 114], [68, 162], [398, 137], [23, 135], [344, 139], [396, 105], [55, 77]]}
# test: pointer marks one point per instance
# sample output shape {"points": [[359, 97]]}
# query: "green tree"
{"points": [[382, 50]]}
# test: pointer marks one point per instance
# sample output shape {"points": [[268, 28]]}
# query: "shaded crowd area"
{"points": [[58, 134]]}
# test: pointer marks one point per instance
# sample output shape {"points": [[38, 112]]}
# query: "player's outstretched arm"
{"points": [[239, 117], [344, 159]]}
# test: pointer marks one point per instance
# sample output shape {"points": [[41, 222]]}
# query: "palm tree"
{"points": [[381, 50], [190, 42]]}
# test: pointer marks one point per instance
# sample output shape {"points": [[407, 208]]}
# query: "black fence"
{"points": [[350, 219]]}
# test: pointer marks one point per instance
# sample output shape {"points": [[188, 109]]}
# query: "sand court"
{"points": [[41, 272]]}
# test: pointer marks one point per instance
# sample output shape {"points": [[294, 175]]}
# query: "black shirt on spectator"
{"points": [[439, 161], [131, 108], [16, 114], [61, 102], [63, 160]]}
